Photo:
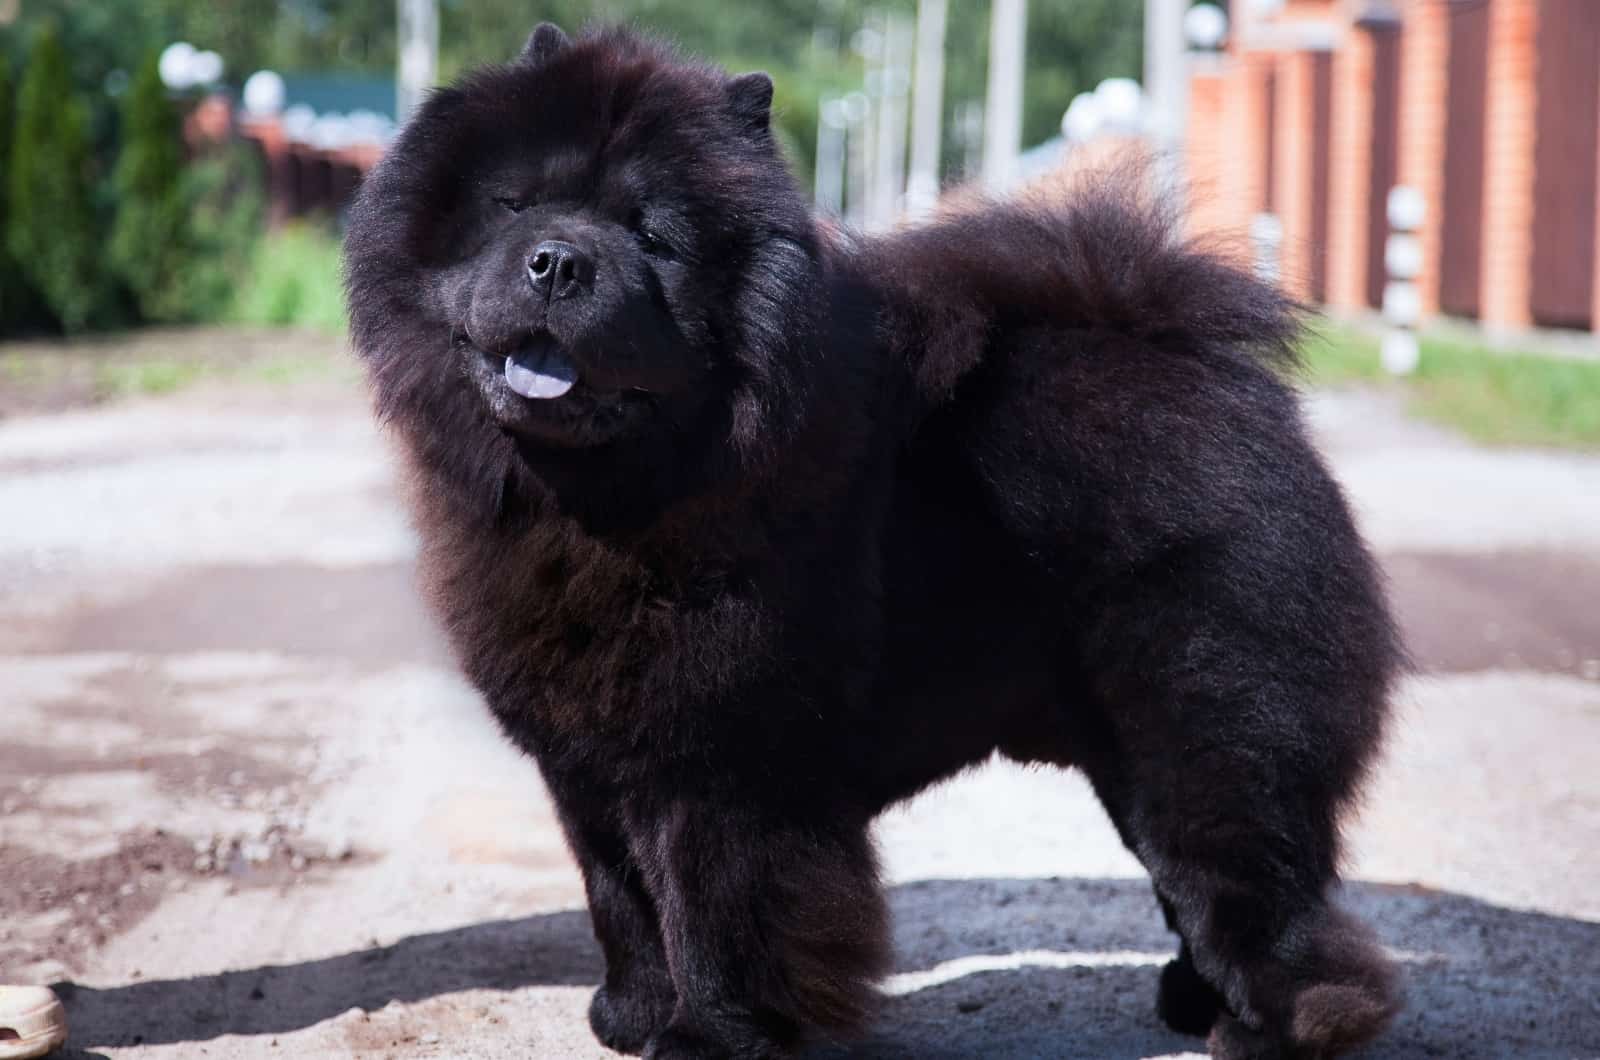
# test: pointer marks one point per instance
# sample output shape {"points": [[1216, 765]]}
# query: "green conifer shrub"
{"points": [[151, 244], [51, 230]]}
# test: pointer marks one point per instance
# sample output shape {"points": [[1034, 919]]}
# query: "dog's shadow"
{"points": [[987, 968]]}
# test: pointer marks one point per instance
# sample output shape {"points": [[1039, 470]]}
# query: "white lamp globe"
{"points": [[330, 132], [1205, 26], [856, 106], [297, 122], [206, 68], [176, 66], [1407, 209], [1082, 120], [264, 94], [1120, 101], [867, 42]]}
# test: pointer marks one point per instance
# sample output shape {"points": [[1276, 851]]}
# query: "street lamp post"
{"points": [[1002, 127], [833, 124], [927, 108], [858, 128], [418, 67], [894, 88], [1166, 84]]}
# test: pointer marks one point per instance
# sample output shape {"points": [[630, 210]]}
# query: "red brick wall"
{"points": [[1320, 9], [1496, 227], [1351, 160], [1508, 158], [1292, 170], [1227, 139], [1424, 44], [1247, 131], [1208, 93]]}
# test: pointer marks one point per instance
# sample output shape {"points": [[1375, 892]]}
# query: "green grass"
{"points": [[18, 369], [293, 281], [146, 377], [285, 326], [1334, 355], [164, 375], [289, 369], [48, 375], [1502, 398]]}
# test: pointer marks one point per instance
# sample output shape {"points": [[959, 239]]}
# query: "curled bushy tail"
{"points": [[1099, 255]]}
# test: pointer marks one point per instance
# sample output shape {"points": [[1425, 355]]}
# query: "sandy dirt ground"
{"points": [[248, 809]]}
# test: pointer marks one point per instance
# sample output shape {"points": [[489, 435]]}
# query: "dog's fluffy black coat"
{"points": [[824, 521]]}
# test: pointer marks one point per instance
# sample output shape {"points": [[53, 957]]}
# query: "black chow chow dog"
{"points": [[747, 530]]}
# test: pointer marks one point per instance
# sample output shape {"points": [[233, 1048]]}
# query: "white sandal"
{"points": [[32, 1022]]}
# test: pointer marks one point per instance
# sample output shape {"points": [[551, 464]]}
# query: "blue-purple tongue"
{"points": [[540, 372]]}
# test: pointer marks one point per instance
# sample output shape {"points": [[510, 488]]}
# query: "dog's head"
{"points": [[595, 248]]}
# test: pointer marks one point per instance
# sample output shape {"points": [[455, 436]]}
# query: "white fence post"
{"points": [[1266, 242], [1402, 259]]}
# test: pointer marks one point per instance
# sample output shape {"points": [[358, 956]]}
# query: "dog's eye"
{"points": [[652, 243], [508, 203], [649, 237]]}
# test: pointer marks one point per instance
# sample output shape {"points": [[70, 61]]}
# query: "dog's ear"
{"points": [[750, 98], [544, 43]]}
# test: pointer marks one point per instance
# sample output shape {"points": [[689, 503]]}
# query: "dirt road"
{"points": [[247, 809]]}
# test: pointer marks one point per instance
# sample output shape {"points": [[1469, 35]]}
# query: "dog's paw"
{"points": [[1232, 1039], [677, 1043], [1185, 1002], [625, 1022], [682, 1043]]}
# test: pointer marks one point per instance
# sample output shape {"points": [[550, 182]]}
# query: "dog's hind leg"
{"points": [[1184, 1000], [1234, 812], [1225, 746], [1267, 965]]}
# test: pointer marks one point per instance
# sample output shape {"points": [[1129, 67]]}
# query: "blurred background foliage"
{"points": [[111, 221], [805, 44]]}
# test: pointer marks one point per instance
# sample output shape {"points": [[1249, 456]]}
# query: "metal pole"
{"points": [[1166, 84], [1002, 127], [871, 47], [832, 121], [927, 108], [418, 67], [896, 85], [857, 115], [969, 134]]}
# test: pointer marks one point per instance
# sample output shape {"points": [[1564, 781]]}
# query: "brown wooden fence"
{"points": [[1566, 155], [1385, 159]]}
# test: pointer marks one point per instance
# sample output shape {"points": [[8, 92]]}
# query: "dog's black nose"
{"points": [[560, 270]]}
